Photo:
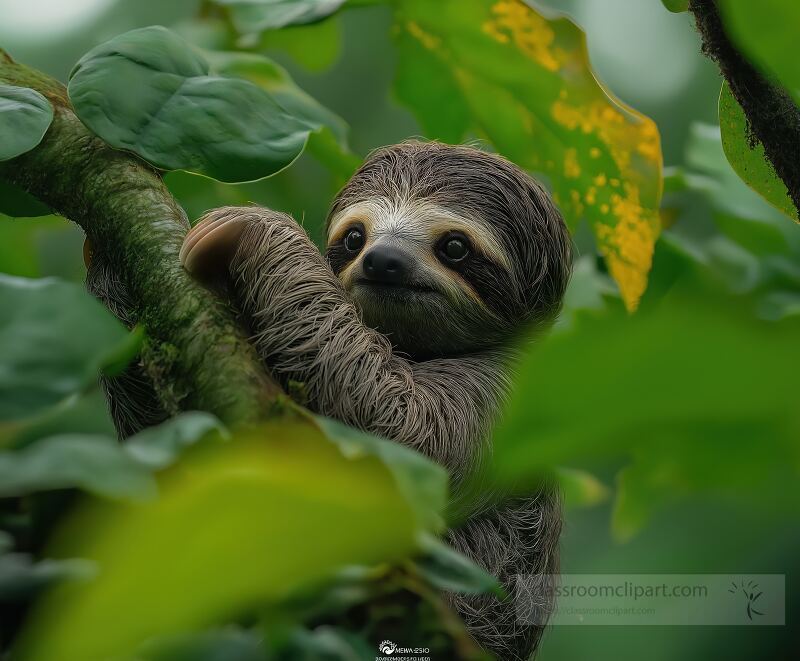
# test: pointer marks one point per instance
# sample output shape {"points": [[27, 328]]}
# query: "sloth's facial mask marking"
{"points": [[404, 266]]}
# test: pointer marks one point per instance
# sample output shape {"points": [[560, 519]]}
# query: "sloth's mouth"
{"points": [[394, 287]]}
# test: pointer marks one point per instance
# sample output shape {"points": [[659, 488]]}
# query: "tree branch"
{"points": [[195, 353], [773, 117]]}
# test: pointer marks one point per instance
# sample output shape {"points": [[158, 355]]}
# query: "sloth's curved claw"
{"points": [[209, 247]]}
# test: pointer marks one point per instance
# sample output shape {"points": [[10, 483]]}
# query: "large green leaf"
{"points": [[499, 69], [54, 340], [149, 91], [258, 15], [25, 116], [766, 31], [699, 395], [237, 525], [749, 162]]}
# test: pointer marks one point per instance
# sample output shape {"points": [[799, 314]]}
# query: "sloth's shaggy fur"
{"points": [[436, 375]]}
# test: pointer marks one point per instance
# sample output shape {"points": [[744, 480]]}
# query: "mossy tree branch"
{"points": [[772, 115], [195, 353]]}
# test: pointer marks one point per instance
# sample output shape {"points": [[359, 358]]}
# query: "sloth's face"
{"points": [[420, 274]]}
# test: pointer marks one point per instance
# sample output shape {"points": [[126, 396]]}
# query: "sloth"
{"points": [[440, 259]]}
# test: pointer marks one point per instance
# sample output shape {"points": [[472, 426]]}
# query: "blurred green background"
{"points": [[648, 57]]}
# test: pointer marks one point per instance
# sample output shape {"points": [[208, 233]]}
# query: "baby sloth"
{"points": [[437, 258]]}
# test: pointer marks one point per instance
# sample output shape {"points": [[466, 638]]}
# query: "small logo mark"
{"points": [[751, 594], [387, 647]]}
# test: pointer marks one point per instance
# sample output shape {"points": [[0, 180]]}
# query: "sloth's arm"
{"points": [[307, 330]]}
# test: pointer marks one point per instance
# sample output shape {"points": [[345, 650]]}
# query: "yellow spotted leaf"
{"points": [[501, 70]]}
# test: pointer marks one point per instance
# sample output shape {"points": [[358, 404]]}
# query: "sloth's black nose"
{"points": [[386, 264]]}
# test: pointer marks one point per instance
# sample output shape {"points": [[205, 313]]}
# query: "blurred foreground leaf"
{"points": [[499, 69], [698, 394], [54, 340], [237, 525], [749, 162], [180, 117], [25, 116]]}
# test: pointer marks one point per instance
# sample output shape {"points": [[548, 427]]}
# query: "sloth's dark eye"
{"points": [[454, 248], [354, 240]]}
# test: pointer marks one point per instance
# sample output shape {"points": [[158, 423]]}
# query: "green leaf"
{"points": [[676, 6], [25, 116], [448, 570], [16, 203], [181, 118], [750, 163], [54, 340], [501, 70], [766, 32], [258, 15], [96, 464], [238, 525], [158, 447]]}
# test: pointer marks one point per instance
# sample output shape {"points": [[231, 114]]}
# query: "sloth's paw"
{"points": [[211, 244]]}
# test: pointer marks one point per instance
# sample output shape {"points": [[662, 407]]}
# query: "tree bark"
{"points": [[772, 115], [195, 353]]}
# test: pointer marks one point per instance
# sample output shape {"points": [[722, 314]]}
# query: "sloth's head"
{"points": [[448, 249]]}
